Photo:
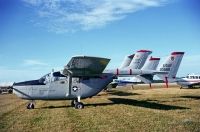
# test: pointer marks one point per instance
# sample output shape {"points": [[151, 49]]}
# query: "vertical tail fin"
{"points": [[151, 64], [171, 65], [126, 62], [139, 59]]}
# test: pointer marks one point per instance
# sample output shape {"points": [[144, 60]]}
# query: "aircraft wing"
{"points": [[86, 66], [144, 79], [160, 72], [148, 78]]}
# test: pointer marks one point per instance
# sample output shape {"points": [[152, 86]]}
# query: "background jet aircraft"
{"points": [[81, 78], [171, 66], [127, 60], [150, 64], [139, 59], [135, 61], [167, 71]]}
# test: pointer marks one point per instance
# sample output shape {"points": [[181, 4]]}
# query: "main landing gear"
{"points": [[30, 105], [77, 104]]}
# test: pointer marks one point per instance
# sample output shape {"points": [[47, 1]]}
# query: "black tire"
{"points": [[30, 106], [79, 105], [0, 92], [10, 91]]}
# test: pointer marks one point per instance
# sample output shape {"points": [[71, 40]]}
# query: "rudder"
{"points": [[171, 65], [139, 59]]}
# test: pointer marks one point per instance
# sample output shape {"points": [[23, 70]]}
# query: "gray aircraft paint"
{"points": [[139, 59], [59, 89], [151, 64], [171, 65], [82, 78], [127, 60]]}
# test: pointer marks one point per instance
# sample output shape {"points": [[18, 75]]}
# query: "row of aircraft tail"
{"points": [[141, 61], [85, 76]]}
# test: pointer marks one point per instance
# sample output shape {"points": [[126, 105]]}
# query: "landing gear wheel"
{"points": [[73, 102], [79, 105], [30, 106]]}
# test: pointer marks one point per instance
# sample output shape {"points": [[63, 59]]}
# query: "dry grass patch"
{"points": [[123, 109]]}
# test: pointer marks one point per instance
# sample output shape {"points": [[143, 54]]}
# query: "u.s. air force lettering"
{"points": [[166, 67]]}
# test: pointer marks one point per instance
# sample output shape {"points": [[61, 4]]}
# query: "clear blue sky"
{"points": [[38, 35]]}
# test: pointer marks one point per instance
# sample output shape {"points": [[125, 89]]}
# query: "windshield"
{"points": [[45, 76], [51, 77], [58, 74]]}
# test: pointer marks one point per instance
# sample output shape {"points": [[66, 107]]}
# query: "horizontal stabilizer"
{"points": [[86, 66]]}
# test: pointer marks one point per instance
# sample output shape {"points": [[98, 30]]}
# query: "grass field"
{"points": [[124, 109]]}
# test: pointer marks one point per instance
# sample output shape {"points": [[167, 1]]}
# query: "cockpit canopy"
{"points": [[43, 80], [47, 77]]}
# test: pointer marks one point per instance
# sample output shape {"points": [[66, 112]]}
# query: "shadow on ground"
{"points": [[191, 97], [122, 93], [53, 107], [145, 104], [131, 102]]}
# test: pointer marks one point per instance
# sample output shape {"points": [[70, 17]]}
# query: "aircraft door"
{"points": [[76, 87], [58, 89]]}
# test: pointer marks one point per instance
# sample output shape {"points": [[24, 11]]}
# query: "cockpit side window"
{"points": [[58, 74]]}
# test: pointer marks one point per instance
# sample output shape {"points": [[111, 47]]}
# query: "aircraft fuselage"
{"points": [[62, 88]]}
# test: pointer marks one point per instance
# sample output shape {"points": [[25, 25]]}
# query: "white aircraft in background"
{"points": [[150, 64], [190, 81], [170, 65], [134, 61]]}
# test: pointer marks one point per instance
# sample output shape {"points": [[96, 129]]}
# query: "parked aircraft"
{"points": [[190, 81], [138, 59], [150, 64], [82, 77], [127, 60], [170, 65], [134, 61]]}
